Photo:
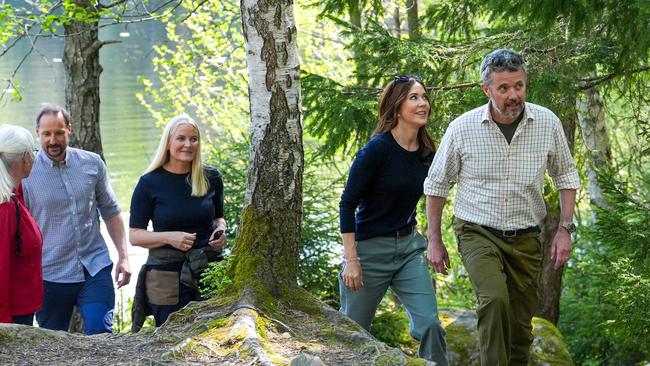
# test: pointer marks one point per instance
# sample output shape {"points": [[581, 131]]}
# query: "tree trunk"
{"points": [[266, 251], [550, 280], [355, 13], [397, 23], [82, 70], [596, 142], [413, 19]]}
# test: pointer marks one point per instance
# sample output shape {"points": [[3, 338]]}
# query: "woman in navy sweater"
{"points": [[183, 200], [382, 248]]}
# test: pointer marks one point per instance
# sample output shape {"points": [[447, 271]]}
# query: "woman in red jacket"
{"points": [[21, 275]]}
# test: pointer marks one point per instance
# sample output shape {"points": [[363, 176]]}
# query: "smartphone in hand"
{"points": [[216, 235]]}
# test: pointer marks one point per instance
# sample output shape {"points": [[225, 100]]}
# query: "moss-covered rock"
{"points": [[548, 348]]}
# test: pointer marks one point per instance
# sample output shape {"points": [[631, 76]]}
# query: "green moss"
{"points": [[389, 360], [550, 347], [219, 323], [255, 240], [5, 336], [300, 299], [410, 361]]}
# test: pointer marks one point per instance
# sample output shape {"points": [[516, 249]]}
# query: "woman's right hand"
{"points": [[181, 240], [352, 275]]}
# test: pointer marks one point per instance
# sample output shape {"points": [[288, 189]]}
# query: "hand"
{"points": [[218, 238], [181, 240], [561, 248], [438, 257], [352, 275], [122, 272]]}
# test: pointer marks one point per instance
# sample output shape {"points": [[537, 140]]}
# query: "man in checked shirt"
{"points": [[66, 192], [498, 155]]}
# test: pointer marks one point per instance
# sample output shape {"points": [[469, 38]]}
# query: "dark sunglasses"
{"points": [[408, 78]]}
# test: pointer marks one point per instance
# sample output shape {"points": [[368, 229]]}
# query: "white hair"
{"points": [[198, 181], [14, 142]]}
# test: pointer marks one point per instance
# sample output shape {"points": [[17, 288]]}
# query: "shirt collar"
{"points": [[42, 156], [529, 115]]}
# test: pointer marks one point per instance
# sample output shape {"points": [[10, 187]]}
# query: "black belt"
{"points": [[513, 233], [401, 232]]}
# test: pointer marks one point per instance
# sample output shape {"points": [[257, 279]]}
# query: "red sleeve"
{"points": [[7, 234]]}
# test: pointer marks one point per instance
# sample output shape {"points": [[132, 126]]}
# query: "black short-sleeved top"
{"points": [[165, 199]]}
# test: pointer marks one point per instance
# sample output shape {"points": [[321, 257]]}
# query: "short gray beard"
{"points": [[503, 113]]}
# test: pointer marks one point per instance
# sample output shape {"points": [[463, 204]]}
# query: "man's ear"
{"points": [[485, 89]]}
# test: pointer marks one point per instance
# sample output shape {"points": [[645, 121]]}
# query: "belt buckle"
{"points": [[509, 233]]}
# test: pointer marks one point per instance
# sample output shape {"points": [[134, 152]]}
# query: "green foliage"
{"points": [[354, 114], [320, 252], [391, 326], [631, 299], [605, 305], [215, 278]]}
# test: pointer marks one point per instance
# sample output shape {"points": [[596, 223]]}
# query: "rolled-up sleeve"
{"points": [[106, 200], [561, 166], [445, 167]]}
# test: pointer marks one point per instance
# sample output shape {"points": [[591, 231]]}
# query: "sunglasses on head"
{"points": [[408, 78]]}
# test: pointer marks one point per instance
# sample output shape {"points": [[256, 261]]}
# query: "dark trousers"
{"points": [[504, 275], [27, 319], [95, 299]]}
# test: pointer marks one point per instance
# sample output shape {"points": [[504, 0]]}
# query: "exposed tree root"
{"points": [[231, 331]]}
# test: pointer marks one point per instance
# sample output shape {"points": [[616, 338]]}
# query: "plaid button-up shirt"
{"points": [[65, 200], [500, 184]]}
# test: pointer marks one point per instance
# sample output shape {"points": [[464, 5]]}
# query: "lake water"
{"points": [[129, 135]]}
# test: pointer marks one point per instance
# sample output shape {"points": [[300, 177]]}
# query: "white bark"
{"points": [[596, 141], [276, 155]]}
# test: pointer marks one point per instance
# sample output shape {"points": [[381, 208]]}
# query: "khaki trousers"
{"points": [[503, 272]]}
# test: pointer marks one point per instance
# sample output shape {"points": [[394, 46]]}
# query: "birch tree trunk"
{"points": [[82, 71], [266, 251], [596, 142], [413, 19], [550, 280]]}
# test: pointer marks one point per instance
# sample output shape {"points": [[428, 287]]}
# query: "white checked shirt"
{"points": [[500, 184]]}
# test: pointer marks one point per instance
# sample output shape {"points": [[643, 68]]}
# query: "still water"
{"points": [[129, 136]]}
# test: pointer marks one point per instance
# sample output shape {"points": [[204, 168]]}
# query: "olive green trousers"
{"points": [[398, 263], [503, 272]]}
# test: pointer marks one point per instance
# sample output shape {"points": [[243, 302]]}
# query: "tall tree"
{"points": [[266, 252], [82, 73], [595, 138]]}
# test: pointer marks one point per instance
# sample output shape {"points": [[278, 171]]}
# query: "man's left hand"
{"points": [[122, 272], [561, 248]]}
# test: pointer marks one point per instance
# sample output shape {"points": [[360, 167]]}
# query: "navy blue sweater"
{"points": [[385, 184], [165, 199]]}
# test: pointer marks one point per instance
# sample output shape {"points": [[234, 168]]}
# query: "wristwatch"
{"points": [[568, 226]]}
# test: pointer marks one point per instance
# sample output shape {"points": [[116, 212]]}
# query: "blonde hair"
{"points": [[196, 179], [14, 142]]}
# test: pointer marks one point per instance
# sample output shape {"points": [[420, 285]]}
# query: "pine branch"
{"points": [[588, 83]]}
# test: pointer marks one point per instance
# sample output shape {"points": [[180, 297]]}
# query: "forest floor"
{"points": [[209, 334]]}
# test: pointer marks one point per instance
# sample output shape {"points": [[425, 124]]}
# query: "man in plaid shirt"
{"points": [[498, 155]]}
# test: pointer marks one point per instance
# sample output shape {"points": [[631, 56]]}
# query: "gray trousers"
{"points": [[398, 263]]}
